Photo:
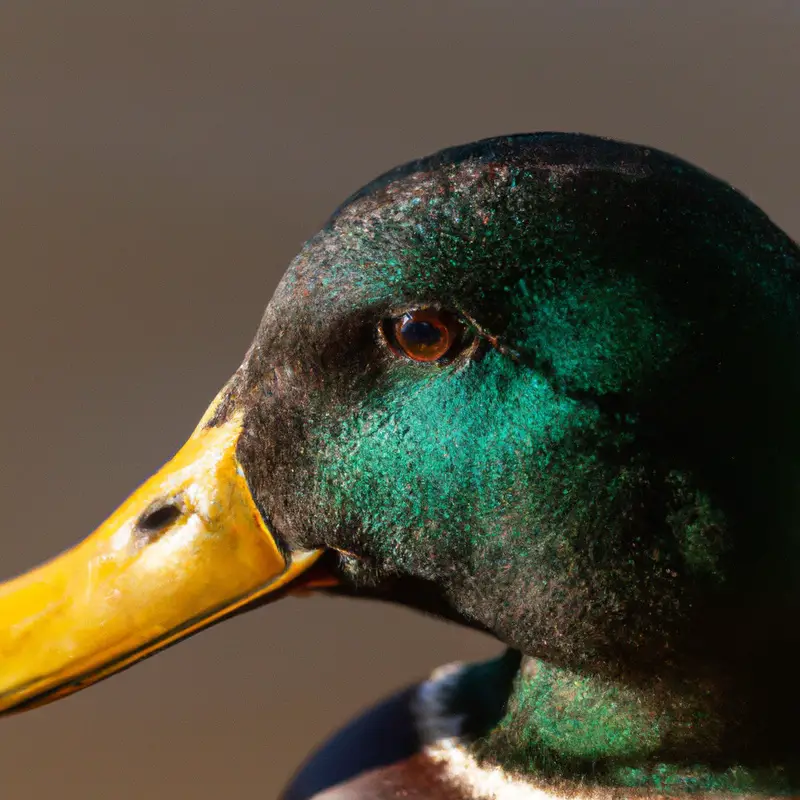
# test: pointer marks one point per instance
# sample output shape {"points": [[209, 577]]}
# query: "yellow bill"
{"points": [[188, 548]]}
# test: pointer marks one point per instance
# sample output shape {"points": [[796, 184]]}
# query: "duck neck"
{"points": [[563, 733]]}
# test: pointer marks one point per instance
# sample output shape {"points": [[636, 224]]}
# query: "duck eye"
{"points": [[424, 334]]}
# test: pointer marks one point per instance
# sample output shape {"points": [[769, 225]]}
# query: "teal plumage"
{"points": [[583, 485]]}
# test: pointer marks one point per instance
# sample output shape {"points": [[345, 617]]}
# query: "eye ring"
{"points": [[426, 335]]}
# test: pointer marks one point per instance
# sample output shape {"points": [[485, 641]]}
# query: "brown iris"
{"points": [[425, 334]]}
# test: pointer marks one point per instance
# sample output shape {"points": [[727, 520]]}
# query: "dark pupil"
{"points": [[421, 333]]}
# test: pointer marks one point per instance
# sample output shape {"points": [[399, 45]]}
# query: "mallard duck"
{"points": [[542, 385]]}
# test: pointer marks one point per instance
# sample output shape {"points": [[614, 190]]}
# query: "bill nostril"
{"points": [[155, 520]]}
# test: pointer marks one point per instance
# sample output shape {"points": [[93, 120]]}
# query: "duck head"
{"points": [[543, 385]]}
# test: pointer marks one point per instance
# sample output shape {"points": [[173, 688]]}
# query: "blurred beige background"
{"points": [[160, 163]]}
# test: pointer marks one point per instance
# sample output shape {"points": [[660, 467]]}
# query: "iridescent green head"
{"points": [[602, 468]]}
